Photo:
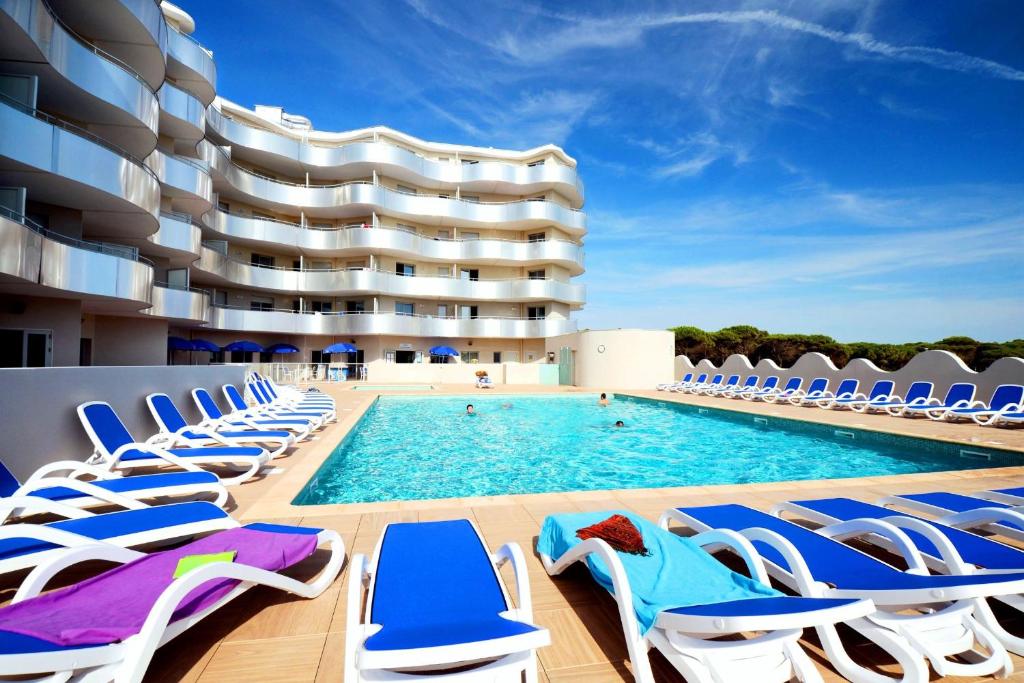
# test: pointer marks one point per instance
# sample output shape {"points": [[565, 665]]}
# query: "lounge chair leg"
{"points": [[915, 670], [983, 613]]}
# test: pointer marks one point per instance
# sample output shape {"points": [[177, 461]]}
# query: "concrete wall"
{"points": [[619, 359], [941, 367], [62, 316], [129, 341], [37, 405], [453, 373]]}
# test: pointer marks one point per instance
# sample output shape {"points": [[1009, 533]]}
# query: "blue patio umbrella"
{"points": [[179, 344], [443, 351], [203, 345], [340, 347], [282, 348], [243, 345]]}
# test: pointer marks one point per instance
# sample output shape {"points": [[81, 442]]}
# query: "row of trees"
{"points": [[784, 349]]}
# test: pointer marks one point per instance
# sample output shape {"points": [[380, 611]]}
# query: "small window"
{"points": [[322, 306], [444, 271], [404, 309], [538, 198], [536, 274], [405, 189], [224, 206], [444, 195], [442, 310], [320, 265], [475, 198], [355, 306], [444, 234], [261, 260], [262, 216], [469, 235], [535, 312], [497, 356], [537, 237], [470, 356], [405, 228], [406, 269], [355, 265], [261, 304], [220, 298], [296, 306], [471, 274], [468, 312]]}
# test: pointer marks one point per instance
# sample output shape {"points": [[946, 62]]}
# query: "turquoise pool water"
{"points": [[419, 447]]}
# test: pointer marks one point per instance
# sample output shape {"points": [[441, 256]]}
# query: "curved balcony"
{"points": [[38, 256], [186, 305], [394, 242], [60, 163], [360, 198], [359, 159], [191, 66], [225, 270], [179, 238], [391, 324], [186, 181], [77, 77], [182, 115], [134, 31]]}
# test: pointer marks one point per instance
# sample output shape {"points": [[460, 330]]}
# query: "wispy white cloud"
{"points": [[689, 156]]}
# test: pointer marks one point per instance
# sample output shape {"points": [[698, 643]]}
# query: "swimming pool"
{"points": [[420, 447]]}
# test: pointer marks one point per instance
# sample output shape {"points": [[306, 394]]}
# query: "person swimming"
{"points": [[470, 410], [620, 423], [603, 401]]}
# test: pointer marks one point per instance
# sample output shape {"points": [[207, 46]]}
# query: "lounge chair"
{"points": [[943, 547], [435, 602], [242, 409], [818, 388], [846, 390], [484, 382], [1007, 416], [918, 394], [25, 545], [115, 448], [108, 627], [1006, 398], [685, 380], [61, 482], [732, 382], [1010, 496], [750, 384], [881, 392], [959, 395], [295, 397], [770, 386], [700, 388], [791, 389], [680, 599], [685, 386], [965, 512], [920, 616], [214, 418], [179, 432], [263, 396]]}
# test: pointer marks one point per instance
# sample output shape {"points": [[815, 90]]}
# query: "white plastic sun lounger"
{"points": [[130, 628], [242, 409], [214, 418], [263, 397], [61, 482], [1007, 398], [685, 386], [776, 395], [687, 635], [731, 382], [818, 388], [685, 380], [750, 384], [295, 397], [436, 606], [846, 391], [178, 432], [1011, 496], [921, 617], [115, 448], [917, 394], [881, 392], [960, 395], [965, 512], [701, 387]]}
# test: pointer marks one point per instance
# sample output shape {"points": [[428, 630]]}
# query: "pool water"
{"points": [[420, 447]]}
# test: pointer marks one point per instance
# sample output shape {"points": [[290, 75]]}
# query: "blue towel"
{"points": [[677, 573]]}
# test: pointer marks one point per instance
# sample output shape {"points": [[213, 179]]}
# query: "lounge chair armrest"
{"points": [[797, 566], [980, 517], [358, 578], [855, 528], [511, 552], [736, 542], [86, 488], [155, 451], [33, 584], [34, 505], [69, 468], [947, 551]]}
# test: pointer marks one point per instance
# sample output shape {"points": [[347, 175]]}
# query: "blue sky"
{"points": [[848, 168]]}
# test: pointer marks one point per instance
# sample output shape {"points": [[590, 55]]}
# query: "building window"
{"points": [[220, 297], [497, 356], [444, 234], [536, 274], [26, 348], [320, 265], [404, 308], [470, 356], [405, 189], [296, 306], [469, 236], [322, 306], [224, 206], [262, 216], [406, 269], [442, 310], [537, 237], [475, 198], [261, 304], [468, 312], [405, 228], [535, 312], [261, 260], [444, 271], [355, 306], [471, 274]]}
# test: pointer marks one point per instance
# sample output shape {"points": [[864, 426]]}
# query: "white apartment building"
{"points": [[136, 205]]}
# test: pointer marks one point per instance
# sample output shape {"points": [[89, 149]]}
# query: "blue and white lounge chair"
{"points": [[684, 387], [1007, 398], [730, 383], [846, 390], [266, 400], [700, 388], [61, 482], [943, 547], [881, 392], [101, 630], [791, 389], [681, 600], [960, 395], [748, 391], [750, 384], [179, 432], [920, 616], [770, 386], [965, 512], [214, 418], [242, 409], [685, 380], [435, 601], [1011, 496], [919, 393], [818, 388], [1009, 415], [116, 449], [24, 545], [292, 396]]}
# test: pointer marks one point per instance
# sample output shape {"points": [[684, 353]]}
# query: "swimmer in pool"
{"points": [[620, 423], [470, 410], [603, 401], [506, 406]]}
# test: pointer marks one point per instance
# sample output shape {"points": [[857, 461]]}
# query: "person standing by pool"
{"points": [[603, 401]]}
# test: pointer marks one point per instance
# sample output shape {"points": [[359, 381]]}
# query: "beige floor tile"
{"points": [[272, 660]]}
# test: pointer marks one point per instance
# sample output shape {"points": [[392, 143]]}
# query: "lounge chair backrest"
{"points": [[883, 387], [919, 390], [234, 397], [702, 378], [770, 382], [717, 379], [268, 389], [103, 426], [793, 384], [751, 381], [818, 384], [687, 377], [733, 380], [207, 406], [165, 412], [847, 386], [8, 482], [259, 394], [1005, 394], [963, 391]]}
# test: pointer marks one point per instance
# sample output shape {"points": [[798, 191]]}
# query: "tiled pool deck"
{"points": [[265, 636]]}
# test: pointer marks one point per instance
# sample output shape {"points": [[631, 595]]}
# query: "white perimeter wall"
{"points": [[618, 359]]}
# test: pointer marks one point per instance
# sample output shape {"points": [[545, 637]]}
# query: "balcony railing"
{"points": [[125, 252]]}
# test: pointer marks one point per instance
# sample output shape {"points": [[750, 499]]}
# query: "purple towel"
{"points": [[114, 605]]}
